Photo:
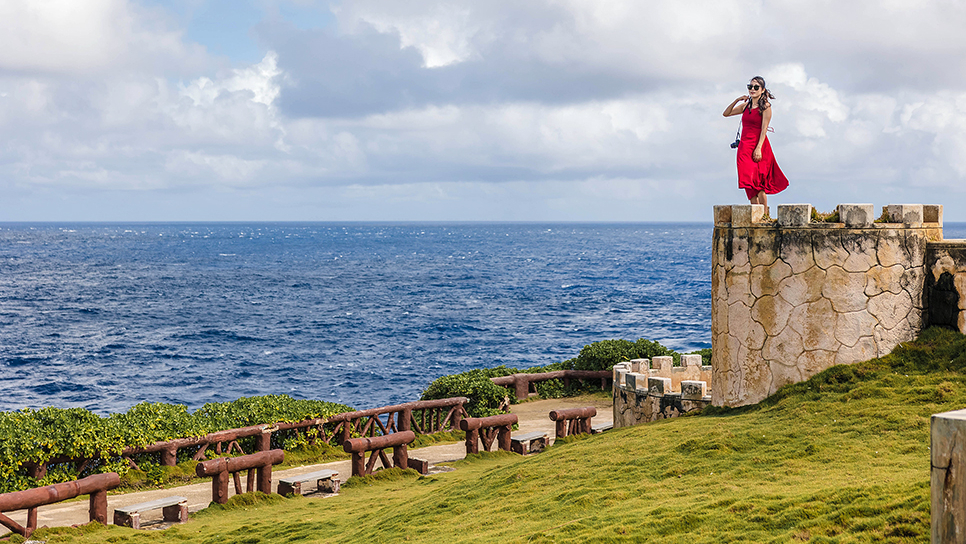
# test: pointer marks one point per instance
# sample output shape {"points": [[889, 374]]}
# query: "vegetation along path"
{"points": [[842, 457], [532, 416]]}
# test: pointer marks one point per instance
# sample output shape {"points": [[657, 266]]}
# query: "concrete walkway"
{"points": [[533, 416]]}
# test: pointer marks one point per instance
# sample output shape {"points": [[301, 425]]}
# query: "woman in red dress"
{"points": [[758, 173]]}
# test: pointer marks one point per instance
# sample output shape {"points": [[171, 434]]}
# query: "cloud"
{"points": [[503, 110]]}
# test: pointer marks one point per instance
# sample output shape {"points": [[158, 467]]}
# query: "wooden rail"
{"points": [[573, 420], [96, 486], [258, 463], [522, 382], [423, 417], [487, 429], [359, 446]]}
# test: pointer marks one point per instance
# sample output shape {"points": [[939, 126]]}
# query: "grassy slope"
{"points": [[842, 457]]}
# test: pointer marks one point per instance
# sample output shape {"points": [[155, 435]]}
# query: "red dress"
{"points": [[764, 175]]}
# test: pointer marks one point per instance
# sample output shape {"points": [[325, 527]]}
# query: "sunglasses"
{"points": [[755, 87]]}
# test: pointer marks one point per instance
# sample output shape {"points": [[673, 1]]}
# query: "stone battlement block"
{"points": [[932, 213], [746, 215], [722, 214], [658, 387], [632, 379], [620, 377], [856, 215], [638, 365], [693, 390], [662, 364], [794, 215], [910, 215], [690, 360]]}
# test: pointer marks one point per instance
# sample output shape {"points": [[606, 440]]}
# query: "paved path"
{"points": [[533, 416]]}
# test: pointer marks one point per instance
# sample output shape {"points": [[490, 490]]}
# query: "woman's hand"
{"points": [[756, 154], [733, 109]]}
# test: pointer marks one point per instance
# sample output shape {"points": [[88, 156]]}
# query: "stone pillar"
{"points": [[948, 486]]}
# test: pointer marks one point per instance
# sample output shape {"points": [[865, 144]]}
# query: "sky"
{"points": [[544, 110]]}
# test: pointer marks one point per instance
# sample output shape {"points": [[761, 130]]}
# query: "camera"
{"points": [[734, 144]]}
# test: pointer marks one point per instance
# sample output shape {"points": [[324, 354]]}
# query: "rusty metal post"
{"points": [[98, 507], [169, 456]]}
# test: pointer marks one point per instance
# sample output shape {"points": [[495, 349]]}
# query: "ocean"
{"points": [[103, 316]]}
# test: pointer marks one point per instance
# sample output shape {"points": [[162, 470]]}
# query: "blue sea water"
{"points": [[103, 316]]}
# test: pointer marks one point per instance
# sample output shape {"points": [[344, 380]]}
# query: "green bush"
{"points": [[486, 397], [605, 354], [53, 434]]}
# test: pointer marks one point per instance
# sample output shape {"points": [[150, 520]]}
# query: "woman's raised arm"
{"points": [[732, 110]]}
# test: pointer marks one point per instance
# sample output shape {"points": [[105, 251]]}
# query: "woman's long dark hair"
{"points": [[765, 94]]}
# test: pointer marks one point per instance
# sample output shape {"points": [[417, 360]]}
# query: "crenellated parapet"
{"points": [[793, 296], [648, 390]]}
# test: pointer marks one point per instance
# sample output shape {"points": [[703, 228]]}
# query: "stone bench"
{"points": [[173, 508], [326, 482], [597, 429], [533, 442]]}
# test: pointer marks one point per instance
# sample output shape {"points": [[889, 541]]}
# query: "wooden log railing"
{"points": [[522, 382], [424, 417], [573, 420], [486, 429], [258, 465], [359, 446], [96, 486]]}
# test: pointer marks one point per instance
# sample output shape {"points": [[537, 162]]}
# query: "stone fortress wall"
{"points": [[791, 297], [650, 390]]}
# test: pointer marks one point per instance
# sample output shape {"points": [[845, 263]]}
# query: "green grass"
{"points": [[842, 457]]}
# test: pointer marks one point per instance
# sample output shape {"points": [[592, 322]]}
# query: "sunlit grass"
{"points": [[843, 457]]}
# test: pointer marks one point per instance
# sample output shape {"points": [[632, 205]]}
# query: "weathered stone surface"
{"points": [[845, 290], [746, 215], [812, 362], [722, 215], [910, 215], [851, 326], [889, 309], [791, 300], [856, 215], [693, 390], [889, 250], [862, 251], [881, 279], [803, 287], [764, 280], [947, 452], [932, 213], [827, 248], [794, 215], [658, 386], [771, 313], [815, 322], [691, 360], [662, 364], [784, 348], [743, 327]]}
